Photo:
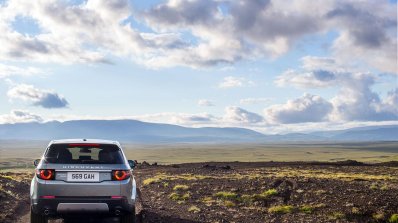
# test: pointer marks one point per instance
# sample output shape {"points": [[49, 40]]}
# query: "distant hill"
{"points": [[368, 133], [125, 130], [144, 132]]}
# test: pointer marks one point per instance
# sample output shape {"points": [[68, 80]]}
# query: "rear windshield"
{"points": [[84, 154]]}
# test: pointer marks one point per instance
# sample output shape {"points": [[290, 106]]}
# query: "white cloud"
{"points": [[19, 116], [38, 97], [192, 119], [235, 114], [9, 70], [355, 100], [233, 82], [316, 79], [250, 101], [308, 108], [368, 33], [196, 120], [205, 103], [197, 33]]}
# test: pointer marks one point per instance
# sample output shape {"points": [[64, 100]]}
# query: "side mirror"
{"points": [[131, 163], [36, 162]]}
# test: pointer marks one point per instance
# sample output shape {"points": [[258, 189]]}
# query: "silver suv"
{"points": [[77, 177]]}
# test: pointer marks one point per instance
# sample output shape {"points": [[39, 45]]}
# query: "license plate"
{"points": [[83, 176]]}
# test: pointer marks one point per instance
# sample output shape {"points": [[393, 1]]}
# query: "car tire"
{"points": [[37, 218], [128, 217]]}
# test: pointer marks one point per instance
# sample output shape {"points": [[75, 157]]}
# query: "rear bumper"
{"points": [[59, 206]]}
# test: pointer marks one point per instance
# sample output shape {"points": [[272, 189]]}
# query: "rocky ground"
{"points": [[247, 192]]}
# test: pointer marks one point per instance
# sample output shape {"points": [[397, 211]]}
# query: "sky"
{"points": [[267, 65]]}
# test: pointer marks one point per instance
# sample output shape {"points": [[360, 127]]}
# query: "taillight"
{"points": [[45, 174], [120, 174]]}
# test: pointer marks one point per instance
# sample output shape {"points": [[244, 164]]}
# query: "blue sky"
{"points": [[272, 66]]}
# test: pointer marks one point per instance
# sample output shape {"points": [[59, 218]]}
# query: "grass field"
{"points": [[21, 155]]}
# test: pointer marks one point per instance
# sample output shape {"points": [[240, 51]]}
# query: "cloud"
{"points": [[368, 33], [360, 103], [308, 108], [205, 103], [250, 101], [235, 114], [192, 119], [197, 120], [315, 79], [20, 116], [38, 97], [196, 33], [391, 101], [233, 82], [8, 70], [355, 100], [70, 33]]}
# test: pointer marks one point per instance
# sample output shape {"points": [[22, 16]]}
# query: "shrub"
{"points": [[281, 209], [393, 218], [194, 209], [226, 195], [270, 192], [337, 215], [8, 177], [177, 197], [151, 181], [373, 187], [307, 209], [180, 187], [378, 216], [229, 204]]}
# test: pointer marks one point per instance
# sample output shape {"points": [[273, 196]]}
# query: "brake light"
{"points": [[116, 197], [47, 197], [120, 174], [45, 174]]}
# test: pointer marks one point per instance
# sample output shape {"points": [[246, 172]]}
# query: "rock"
{"points": [[227, 167], [145, 163]]}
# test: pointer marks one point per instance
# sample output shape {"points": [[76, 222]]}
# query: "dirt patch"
{"points": [[246, 192], [268, 192], [14, 195]]}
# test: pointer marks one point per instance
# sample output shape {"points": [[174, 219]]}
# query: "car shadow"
{"points": [[142, 217], [92, 220]]}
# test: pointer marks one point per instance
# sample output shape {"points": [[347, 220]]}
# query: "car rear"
{"points": [[79, 178]]}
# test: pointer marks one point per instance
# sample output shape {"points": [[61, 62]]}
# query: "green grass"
{"points": [[374, 187], [194, 209], [336, 216], [19, 155], [8, 177], [393, 218], [229, 204], [149, 181], [179, 197], [270, 192], [180, 187], [259, 197], [281, 209], [308, 209], [224, 195], [378, 216]]}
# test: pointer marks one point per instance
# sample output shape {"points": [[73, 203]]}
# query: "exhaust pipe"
{"points": [[46, 212], [117, 212]]}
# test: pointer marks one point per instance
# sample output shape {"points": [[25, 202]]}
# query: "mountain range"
{"points": [[144, 132]]}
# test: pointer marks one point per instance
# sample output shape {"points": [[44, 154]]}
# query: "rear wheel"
{"points": [[128, 218], [37, 218]]}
